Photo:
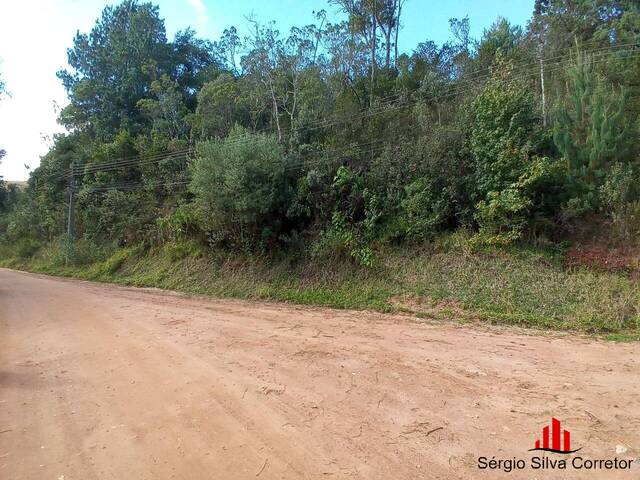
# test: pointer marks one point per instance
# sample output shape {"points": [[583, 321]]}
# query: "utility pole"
{"points": [[71, 224], [544, 106], [374, 33]]}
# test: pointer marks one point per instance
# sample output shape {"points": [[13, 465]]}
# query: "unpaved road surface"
{"points": [[106, 382]]}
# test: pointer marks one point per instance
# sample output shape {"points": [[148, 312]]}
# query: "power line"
{"points": [[454, 90], [376, 146]]}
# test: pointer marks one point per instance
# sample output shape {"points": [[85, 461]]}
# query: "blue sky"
{"points": [[34, 36], [422, 19]]}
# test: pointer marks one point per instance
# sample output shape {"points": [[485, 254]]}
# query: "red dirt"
{"points": [[99, 381], [617, 260]]}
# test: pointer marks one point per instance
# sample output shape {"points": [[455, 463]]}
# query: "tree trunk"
{"points": [[397, 30], [387, 39], [374, 33], [276, 112]]}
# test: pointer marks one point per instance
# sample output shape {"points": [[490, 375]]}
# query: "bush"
{"points": [[66, 252], [620, 197], [342, 240], [502, 131], [626, 222], [243, 188], [357, 220], [26, 247], [117, 217], [424, 209], [506, 214], [503, 216], [180, 223]]}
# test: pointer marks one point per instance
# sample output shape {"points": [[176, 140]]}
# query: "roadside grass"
{"points": [[622, 337], [446, 279]]}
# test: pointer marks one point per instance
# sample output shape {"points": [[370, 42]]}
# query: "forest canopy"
{"points": [[329, 140]]}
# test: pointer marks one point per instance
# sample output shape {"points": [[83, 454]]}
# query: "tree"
{"points": [[114, 66], [387, 16], [228, 48], [3, 187], [222, 103], [262, 66], [362, 20], [588, 22], [502, 125], [167, 110], [192, 62], [591, 131], [366, 144], [243, 189], [502, 38], [460, 48], [347, 57]]}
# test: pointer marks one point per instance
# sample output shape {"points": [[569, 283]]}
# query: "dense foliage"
{"points": [[330, 141]]}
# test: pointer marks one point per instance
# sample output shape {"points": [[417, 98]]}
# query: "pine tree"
{"points": [[590, 130]]}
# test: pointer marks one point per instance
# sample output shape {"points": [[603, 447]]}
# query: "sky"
{"points": [[35, 35]]}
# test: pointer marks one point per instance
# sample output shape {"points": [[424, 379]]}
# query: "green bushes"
{"points": [[596, 139], [359, 157], [116, 217], [620, 196], [26, 247], [506, 215], [451, 278], [502, 131], [591, 131], [64, 252], [182, 222], [243, 187], [425, 208]]}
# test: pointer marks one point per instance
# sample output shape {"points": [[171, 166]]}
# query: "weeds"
{"points": [[445, 279]]}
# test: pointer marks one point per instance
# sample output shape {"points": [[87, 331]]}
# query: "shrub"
{"points": [[243, 188], [505, 215], [626, 222], [343, 241], [501, 131], [66, 252], [118, 217], [424, 208], [26, 247], [180, 223], [357, 220]]}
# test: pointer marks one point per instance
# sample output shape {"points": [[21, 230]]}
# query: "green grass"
{"points": [[443, 280], [622, 337]]}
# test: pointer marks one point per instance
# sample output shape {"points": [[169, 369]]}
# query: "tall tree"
{"points": [[591, 131], [262, 65], [113, 68], [362, 20], [387, 16]]}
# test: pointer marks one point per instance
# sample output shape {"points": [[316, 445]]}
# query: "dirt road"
{"points": [[105, 382]]}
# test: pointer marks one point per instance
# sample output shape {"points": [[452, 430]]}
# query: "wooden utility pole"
{"points": [[374, 33], [71, 224]]}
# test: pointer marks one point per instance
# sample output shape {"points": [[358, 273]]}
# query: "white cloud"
{"points": [[33, 46], [30, 58], [34, 38], [201, 11]]}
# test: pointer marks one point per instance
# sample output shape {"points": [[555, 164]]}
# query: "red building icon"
{"points": [[556, 438]]}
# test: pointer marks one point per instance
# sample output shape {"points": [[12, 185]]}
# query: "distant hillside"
{"points": [[18, 183]]}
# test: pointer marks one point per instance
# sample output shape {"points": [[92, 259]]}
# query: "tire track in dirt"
{"points": [[100, 381]]}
